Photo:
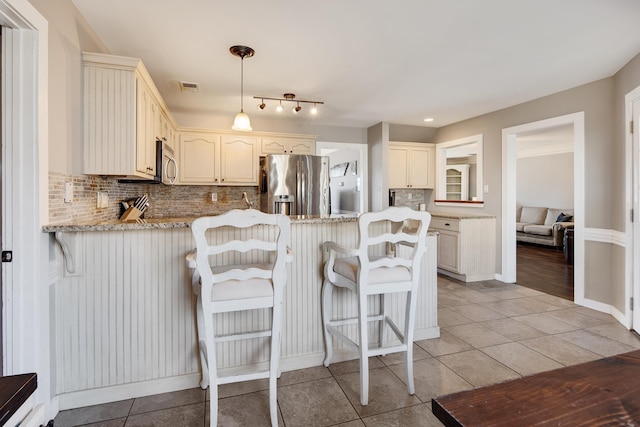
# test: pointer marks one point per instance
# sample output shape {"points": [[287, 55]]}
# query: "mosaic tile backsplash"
{"points": [[412, 198], [164, 201]]}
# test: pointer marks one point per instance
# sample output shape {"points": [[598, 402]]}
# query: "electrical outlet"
{"points": [[214, 197], [68, 192], [102, 199], [409, 196]]}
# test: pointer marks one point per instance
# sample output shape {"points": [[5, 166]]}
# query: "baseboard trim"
{"points": [[101, 395]]}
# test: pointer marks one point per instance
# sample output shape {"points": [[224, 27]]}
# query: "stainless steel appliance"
{"points": [[169, 165], [295, 184]]}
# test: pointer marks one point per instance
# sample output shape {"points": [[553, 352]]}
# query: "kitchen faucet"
{"points": [[246, 200]]}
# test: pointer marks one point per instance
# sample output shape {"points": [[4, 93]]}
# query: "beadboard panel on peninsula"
{"points": [[125, 319]]}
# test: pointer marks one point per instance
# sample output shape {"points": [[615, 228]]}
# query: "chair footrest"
{"points": [[353, 320], [374, 351], [242, 336], [331, 325], [236, 378], [379, 351]]}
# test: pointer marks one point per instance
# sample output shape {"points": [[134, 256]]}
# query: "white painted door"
{"points": [[635, 115]]}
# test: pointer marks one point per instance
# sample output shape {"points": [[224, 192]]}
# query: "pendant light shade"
{"points": [[242, 122]]}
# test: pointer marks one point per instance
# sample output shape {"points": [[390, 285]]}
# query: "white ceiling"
{"points": [[370, 60]]}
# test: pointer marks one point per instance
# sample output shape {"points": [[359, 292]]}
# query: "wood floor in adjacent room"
{"points": [[544, 269]]}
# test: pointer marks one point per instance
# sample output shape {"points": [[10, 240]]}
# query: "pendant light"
{"points": [[241, 121]]}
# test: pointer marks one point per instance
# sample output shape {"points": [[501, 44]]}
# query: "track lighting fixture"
{"points": [[241, 121], [291, 98]]}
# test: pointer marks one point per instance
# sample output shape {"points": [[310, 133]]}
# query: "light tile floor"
{"points": [[490, 332]]}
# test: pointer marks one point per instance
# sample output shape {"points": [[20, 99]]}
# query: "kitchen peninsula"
{"points": [[125, 312]]}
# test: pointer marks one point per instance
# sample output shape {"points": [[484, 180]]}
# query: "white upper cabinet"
{"points": [[411, 165], [122, 110], [285, 145], [212, 159]]}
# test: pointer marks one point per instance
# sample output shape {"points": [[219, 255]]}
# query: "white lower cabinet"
{"points": [[466, 245]]}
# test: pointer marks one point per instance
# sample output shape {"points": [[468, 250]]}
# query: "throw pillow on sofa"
{"points": [[564, 218]]}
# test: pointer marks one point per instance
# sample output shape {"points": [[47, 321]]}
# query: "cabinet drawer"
{"points": [[445, 224]]}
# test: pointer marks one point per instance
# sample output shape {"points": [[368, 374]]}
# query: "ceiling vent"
{"points": [[189, 87]]}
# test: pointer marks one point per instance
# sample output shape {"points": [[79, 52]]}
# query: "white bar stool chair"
{"points": [[394, 270], [239, 265]]}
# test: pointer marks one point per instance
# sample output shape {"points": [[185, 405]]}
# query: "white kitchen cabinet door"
{"points": [[238, 160], [198, 159], [148, 118], [398, 161], [284, 145], [421, 171], [449, 250]]}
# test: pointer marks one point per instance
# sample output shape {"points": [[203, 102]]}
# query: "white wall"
{"points": [[69, 35], [545, 181]]}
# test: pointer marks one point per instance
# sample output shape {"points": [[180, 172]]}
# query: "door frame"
{"points": [[632, 197], [509, 141], [26, 334]]}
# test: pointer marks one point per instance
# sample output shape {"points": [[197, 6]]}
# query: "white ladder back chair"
{"points": [[240, 263], [394, 269]]}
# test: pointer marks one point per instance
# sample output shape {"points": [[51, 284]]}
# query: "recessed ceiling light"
{"points": [[428, 119]]}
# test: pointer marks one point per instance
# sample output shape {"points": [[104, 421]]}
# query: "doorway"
{"points": [[544, 194], [509, 197], [349, 175]]}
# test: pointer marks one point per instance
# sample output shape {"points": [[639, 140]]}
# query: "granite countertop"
{"points": [[453, 215], [162, 223]]}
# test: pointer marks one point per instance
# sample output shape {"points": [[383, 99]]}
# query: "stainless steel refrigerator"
{"points": [[295, 184]]}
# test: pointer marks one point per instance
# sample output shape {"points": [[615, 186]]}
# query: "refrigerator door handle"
{"points": [[299, 186]]}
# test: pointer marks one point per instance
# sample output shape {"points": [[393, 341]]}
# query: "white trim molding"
{"points": [[25, 130], [509, 145]]}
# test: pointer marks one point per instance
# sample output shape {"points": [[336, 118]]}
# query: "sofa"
{"points": [[543, 226]]}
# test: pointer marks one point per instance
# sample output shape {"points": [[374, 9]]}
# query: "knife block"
{"points": [[132, 214]]}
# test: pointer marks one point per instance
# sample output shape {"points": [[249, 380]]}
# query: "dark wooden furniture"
{"points": [[604, 392], [14, 391]]}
